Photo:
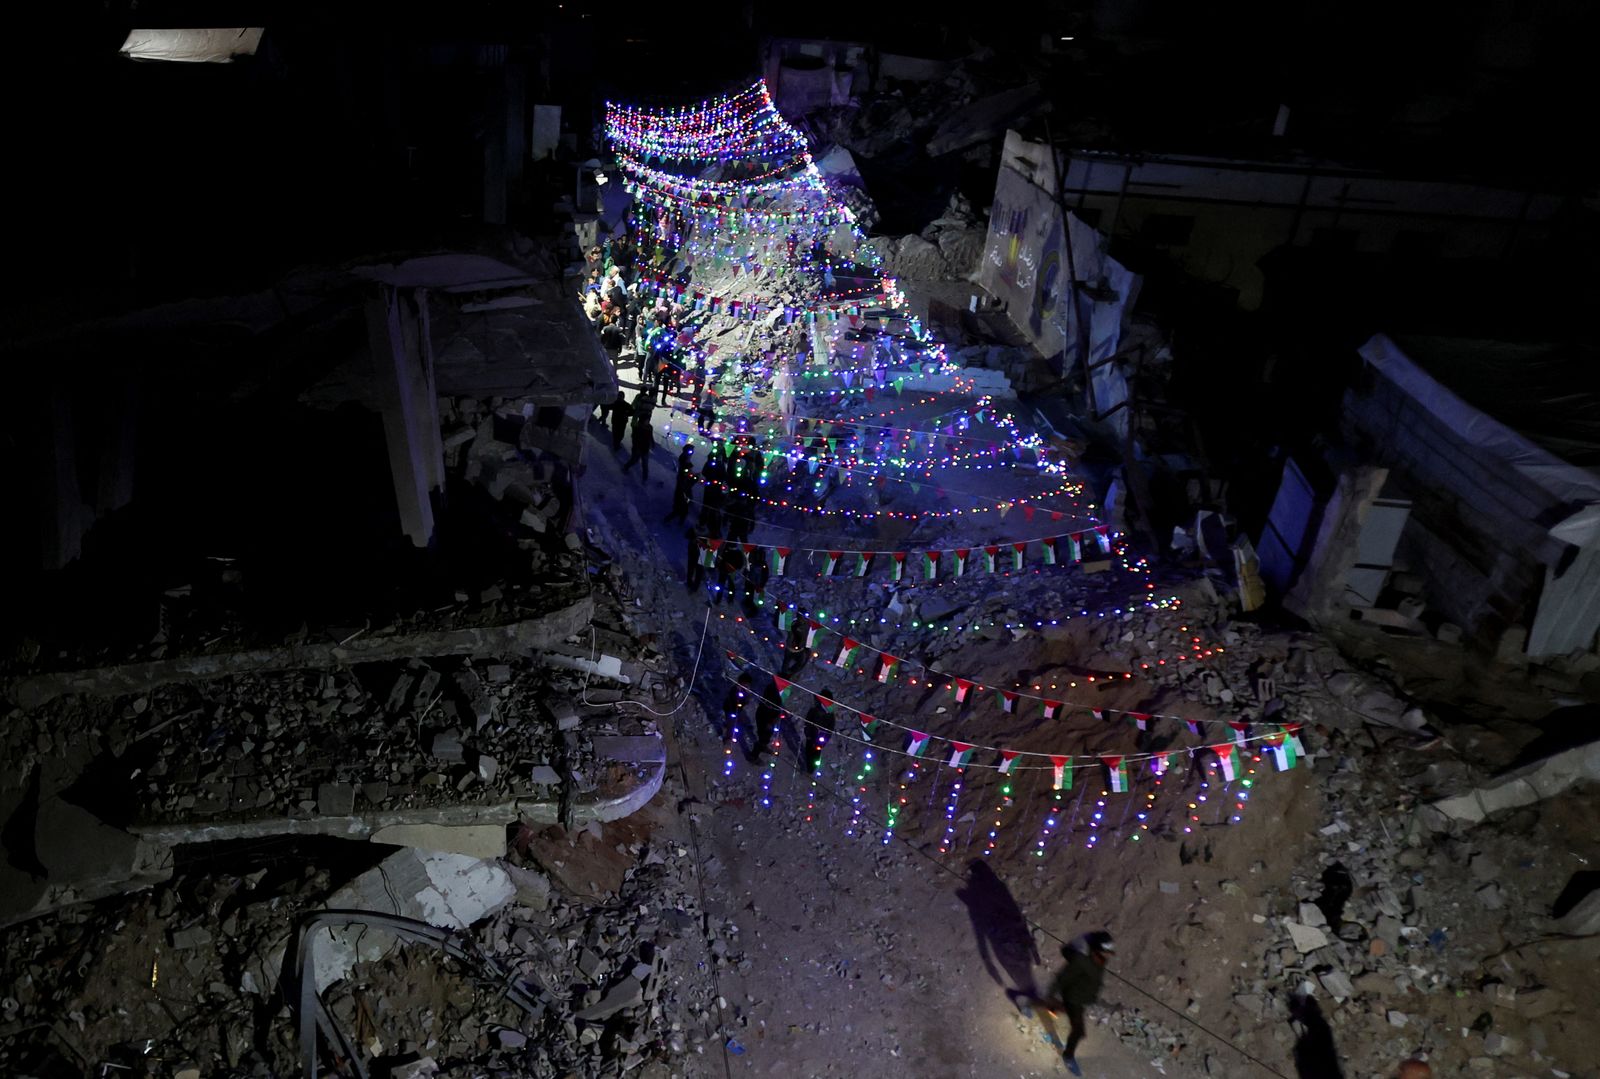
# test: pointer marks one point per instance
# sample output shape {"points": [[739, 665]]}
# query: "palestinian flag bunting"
{"points": [[930, 564], [813, 629], [831, 563], [780, 560], [918, 743], [1008, 701], [960, 754], [899, 558], [1117, 771], [785, 688], [962, 689], [887, 665], [1008, 757], [1140, 720], [849, 649], [1226, 760], [1019, 554], [1049, 545], [991, 559], [959, 566], [1281, 747], [1052, 709], [863, 563], [1062, 767]]}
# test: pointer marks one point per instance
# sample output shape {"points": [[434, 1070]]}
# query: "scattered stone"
{"points": [[336, 799], [1307, 938], [194, 937], [446, 746], [1398, 1019], [627, 993]]}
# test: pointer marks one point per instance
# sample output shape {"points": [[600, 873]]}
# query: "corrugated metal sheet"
{"points": [[1569, 608]]}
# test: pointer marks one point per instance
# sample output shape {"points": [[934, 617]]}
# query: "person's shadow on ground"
{"points": [[1005, 941], [1315, 1055]]}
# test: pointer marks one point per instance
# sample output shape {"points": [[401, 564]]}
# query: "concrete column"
{"points": [[403, 380]]}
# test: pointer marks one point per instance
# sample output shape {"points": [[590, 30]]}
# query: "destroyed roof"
{"points": [[1542, 390]]}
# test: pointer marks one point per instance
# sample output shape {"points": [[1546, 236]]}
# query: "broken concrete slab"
{"points": [[1524, 786], [1306, 938], [450, 891], [472, 840], [631, 749], [1583, 920], [521, 637], [336, 799], [362, 825], [627, 993]]}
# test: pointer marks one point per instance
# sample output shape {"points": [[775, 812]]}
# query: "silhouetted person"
{"points": [[683, 486], [696, 574], [795, 653], [644, 440], [767, 716], [621, 412], [1075, 988], [819, 727], [730, 561]]}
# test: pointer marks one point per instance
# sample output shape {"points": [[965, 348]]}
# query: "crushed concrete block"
{"points": [[627, 993], [533, 887], [421, 1068], [545, 776], [336, 799], [194, 937], [1307, 938], [1311, 914], [1337, 984], [498, 673], [1498, 1045], [488, 767], [446, 746]]}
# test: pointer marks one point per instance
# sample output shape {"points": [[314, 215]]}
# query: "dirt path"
{"points": [[861, 955]]}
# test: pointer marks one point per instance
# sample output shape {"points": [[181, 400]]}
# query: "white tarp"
{"points": [[218, 45]]}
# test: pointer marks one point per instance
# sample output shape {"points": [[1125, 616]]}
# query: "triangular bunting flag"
{"points": [[1281, 746], [1158, 764], [869, 726], [1118, 772], [708, 553], [780, 560], [1225, 759], [1098, 713], [959, 568], [1193, 725], [960, 753], [786, 620], [962, 688], [899, 564], [863, 563], [1052, 709], [1241, 731], [1292, 730], [1008, 757], [813, 629], [991, 558], [918, 743], [785, 687], [1049, 545], [1140, 720], [1062, 767], [848, 650], [831, 563], [1008, 700], [1019, 552], [886, 666], [930, 564]]}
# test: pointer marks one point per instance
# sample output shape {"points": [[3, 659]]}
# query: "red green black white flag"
{"points": [[1117, 769], [1062, 766]]}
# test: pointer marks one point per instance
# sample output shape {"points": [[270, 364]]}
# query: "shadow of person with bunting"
{"points": [[1005, 940]]}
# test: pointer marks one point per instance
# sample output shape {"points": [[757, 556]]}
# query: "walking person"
{"points": [[819, 725], [695, 577], [767, 715], [683, 486], [621, 412], [1075, 988], [795, 653], [730, 561], [644, 440]]}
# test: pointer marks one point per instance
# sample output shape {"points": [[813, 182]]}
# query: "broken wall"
{"points": [[1025, 263], [1484, 499]]}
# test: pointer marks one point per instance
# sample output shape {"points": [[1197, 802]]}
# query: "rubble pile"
{"points": [[618, 984], [948, 249]]}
